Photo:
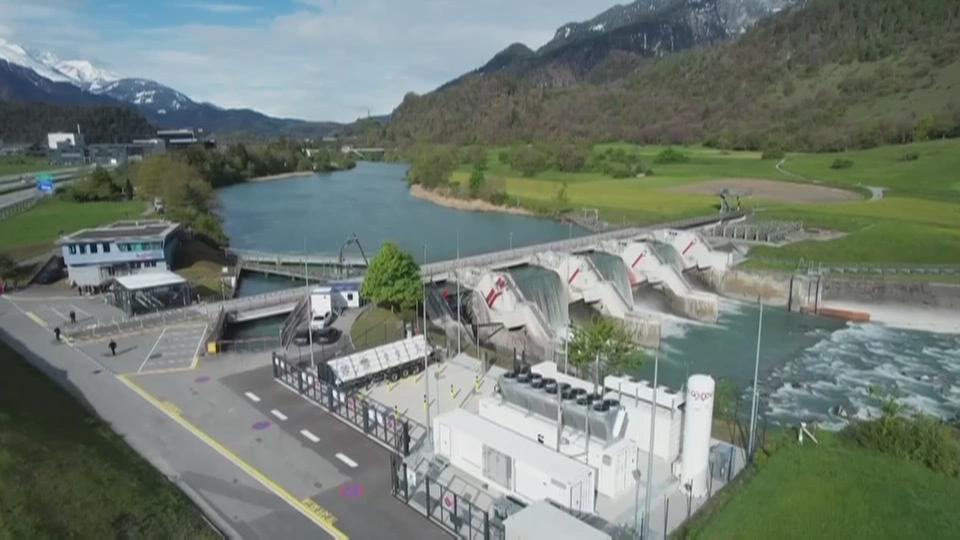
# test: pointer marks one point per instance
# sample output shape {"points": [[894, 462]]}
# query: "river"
{"points": [[808, 365]]}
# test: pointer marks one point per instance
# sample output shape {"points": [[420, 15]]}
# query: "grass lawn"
{"points": [[916, 223], [34, 231], [202, 265], [64, 474], [23, 164], [834, 490], [375, 327]]}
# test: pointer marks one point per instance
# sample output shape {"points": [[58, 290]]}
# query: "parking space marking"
{"points": [[78, 310], [278, 414], [58, 314], [311, 436], [252, 397], [350, 463], [155, 343]]}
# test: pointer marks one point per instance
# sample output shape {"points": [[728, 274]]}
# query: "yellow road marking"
{"points": [[319, 511], [36, 319], [322, 518]]}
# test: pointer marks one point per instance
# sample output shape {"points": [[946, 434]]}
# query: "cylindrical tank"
{"points": [[697, 421]]}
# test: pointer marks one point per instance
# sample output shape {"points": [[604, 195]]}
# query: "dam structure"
{"points": [[529, 293]]}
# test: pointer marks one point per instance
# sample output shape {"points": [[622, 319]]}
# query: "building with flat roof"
{"points": [[94, 256], [182, 138], [151, 291]]}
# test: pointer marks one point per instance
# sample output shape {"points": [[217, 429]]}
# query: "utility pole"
{"points": [[653, 426], [458, 292], [306, 281], [756, 373], [426, 356]]}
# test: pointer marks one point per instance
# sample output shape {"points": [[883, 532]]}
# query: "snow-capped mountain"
{"points": [[34, 76], [15, 54]]}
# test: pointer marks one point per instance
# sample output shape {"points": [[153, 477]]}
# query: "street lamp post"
{"points": [[653, 424], [426, 355], [458, 293], [636, 495]]}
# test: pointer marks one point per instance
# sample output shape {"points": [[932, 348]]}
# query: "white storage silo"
{"points": [[697, 423]]}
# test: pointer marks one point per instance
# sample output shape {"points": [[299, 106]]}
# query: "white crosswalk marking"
{"points": [[311, 436], [278, 414], [252, 397]]}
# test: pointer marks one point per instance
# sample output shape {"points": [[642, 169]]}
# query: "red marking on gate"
{"points": [[637, 260], [493, 298], [690, 245], [573, 277]]}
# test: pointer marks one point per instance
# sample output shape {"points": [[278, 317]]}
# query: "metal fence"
{"points": [[388, 427], [451, 511]]}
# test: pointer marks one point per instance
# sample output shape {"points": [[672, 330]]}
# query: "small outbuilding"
{"points": [[151, 292]]}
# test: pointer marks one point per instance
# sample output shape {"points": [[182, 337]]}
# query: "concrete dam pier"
{"points": [[529, 295]]}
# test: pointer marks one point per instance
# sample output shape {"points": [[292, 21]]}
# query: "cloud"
{"points": [[321, 59], [219, 7]]}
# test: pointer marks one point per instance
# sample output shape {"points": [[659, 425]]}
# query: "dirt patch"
{"points": [[470, 205], [770, 190]]}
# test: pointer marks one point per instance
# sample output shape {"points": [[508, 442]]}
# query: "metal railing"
{"points": [[390, 428], [441, 505]]}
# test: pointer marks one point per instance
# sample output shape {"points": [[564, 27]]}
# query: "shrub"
{"points": [[910, 156], [919, 438], [671, 156], [841, 163], [773, 153]]}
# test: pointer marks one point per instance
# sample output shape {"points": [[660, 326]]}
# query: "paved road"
{"points": [[361, 501], [231, 494]]}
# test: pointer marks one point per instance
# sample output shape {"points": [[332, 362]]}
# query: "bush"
{"points": [[671, 156], [910, 156], [773, 153], [920, 438], [841, 163]]}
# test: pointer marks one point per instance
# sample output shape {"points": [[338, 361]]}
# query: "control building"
{"points": [[94, 256]]}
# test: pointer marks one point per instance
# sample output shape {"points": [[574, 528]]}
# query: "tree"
{"points": [[477, 179], [393, 279], [727, 405], [561, 201], [609, 340], [431, 167]]}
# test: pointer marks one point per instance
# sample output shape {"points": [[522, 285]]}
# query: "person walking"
{"points": [[56, 333], [113, 347], [73, 317]]}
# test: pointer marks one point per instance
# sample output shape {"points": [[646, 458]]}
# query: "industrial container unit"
{"points": [[387, 362], [636, 398], [512, 463], [542, 520], [614, 460]]}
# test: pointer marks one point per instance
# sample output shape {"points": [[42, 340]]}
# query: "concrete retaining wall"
{"points": [[808, 292]]}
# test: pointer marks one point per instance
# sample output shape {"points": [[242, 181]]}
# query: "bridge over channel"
{"points": [[439, 270]]}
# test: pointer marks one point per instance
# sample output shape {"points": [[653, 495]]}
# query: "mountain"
{"points": [[619, 40], [43, 77], [818, 75]]}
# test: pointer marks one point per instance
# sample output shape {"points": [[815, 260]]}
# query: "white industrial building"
{"points": [[327, 299], [512, 463]]}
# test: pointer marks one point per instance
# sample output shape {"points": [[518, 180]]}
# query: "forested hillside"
{"points": [[831, 74], [30, 122]]}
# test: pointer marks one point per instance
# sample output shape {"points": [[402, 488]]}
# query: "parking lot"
{"points": [[159, 350]]}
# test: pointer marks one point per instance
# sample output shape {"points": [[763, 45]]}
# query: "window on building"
{"points": [[93, 248], [83, 249], [106, 247], [350, 297], [72, 248]]}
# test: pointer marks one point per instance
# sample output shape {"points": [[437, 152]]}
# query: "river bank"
{"points": [[469, 205], [281, 176]]}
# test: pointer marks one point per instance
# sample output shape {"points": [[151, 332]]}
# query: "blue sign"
{"points": [[44, 183]]}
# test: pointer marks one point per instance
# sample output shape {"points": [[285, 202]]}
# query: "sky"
{"points": [[310, 59]]}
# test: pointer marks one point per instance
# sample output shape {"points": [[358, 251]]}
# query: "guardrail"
{"points": [[14, 208], [193, 312]]}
